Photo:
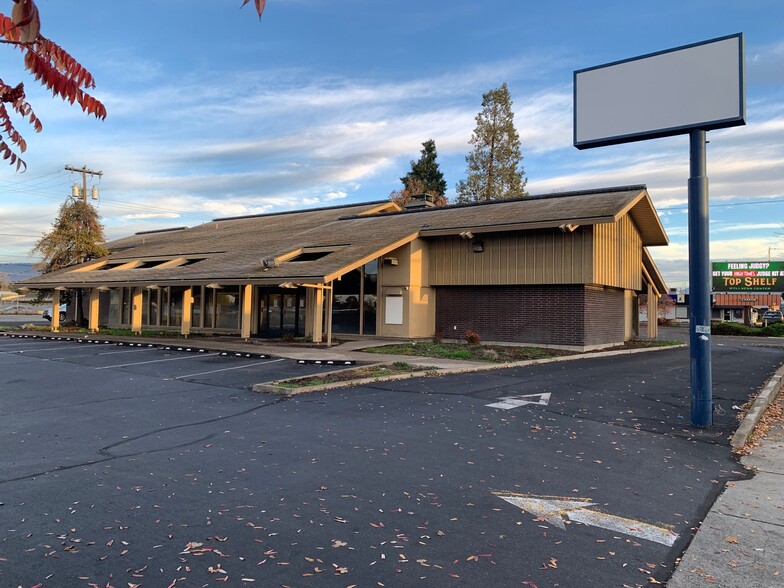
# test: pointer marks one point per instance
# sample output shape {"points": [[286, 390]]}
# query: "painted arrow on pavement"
{"points": [[507, 402], [556, 509]]}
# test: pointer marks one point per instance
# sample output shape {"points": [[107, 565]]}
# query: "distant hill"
{"points": [[18, 271]]}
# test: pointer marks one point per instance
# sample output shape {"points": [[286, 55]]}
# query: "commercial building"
{"points": [[744, 290], [558, 270]]}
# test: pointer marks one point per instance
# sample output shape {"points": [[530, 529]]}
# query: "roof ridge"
{"points": [[300, 211], [608, 190]]}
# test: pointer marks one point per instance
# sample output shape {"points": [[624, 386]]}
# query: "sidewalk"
{"points": [[741, 542]]}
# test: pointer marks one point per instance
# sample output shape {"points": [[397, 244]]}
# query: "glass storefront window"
{"points": [[175, 305], [145, 307], [114, 306], [196, 293], [209, 308], [164, 308], [227, 308], [126, 306], [370, 300], [360, 284], [345, 303]]}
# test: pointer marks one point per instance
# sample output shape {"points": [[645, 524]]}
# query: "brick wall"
{"points": [[555, 315]]}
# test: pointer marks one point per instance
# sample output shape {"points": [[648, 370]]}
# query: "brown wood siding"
{"points": [[617, 260], [530, 257]]}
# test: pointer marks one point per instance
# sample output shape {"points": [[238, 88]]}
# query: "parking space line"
{"points": [[107, 367], [34, 349], [236, 367], [128, 351], [4, 345]]}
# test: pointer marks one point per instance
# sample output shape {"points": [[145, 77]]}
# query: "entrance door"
{"points": [[281, 312], [288, 310]]}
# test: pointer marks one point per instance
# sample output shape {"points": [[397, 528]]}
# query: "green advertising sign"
{"points": [[748, 276]]}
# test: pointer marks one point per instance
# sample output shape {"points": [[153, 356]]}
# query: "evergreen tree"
{"points": [[427, 170], [494, 170], [425, 177], [76, 236]]}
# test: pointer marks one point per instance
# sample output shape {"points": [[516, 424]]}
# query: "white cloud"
{"points": [[149, 216]]}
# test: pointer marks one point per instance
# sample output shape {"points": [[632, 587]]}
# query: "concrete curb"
{"points": [[269, 387], [284, 391], [752, 418]]}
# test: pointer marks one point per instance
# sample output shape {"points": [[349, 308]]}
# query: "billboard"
{"points": [[698, 86], [748, 276]]}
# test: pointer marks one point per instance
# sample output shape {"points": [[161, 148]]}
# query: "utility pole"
{"points": [[84, 171]]}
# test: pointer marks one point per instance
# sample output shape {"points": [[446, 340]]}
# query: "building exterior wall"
{"points": [[617, 259], [560, 315], [408, 280], [526, 257]]}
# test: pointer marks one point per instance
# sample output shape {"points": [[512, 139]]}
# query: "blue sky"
{"points": [[214, 113]]}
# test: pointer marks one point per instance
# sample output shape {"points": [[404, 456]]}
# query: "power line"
{"points": [[772, 200]]}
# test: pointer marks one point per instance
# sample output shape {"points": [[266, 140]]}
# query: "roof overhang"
{"points": [[651, 273]]}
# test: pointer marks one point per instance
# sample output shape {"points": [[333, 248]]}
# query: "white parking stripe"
{"points": [[236, 367], [60, 347], [128, 351], [4, 345], [108, 367]]}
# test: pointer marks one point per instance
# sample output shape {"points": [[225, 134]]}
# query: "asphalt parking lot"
{"points": [[150, 467], [181, 362]]}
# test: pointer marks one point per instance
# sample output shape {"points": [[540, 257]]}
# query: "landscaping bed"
{"points": [[494, 353], [360, 373]]}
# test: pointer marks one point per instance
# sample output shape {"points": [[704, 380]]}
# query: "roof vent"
{"points": [[421, 201]]}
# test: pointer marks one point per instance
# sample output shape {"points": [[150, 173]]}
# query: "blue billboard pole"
{"points": [[699, 284]]}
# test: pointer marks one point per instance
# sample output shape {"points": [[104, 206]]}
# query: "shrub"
{"points": [[774, 330], [472, 338], [733, 329]]}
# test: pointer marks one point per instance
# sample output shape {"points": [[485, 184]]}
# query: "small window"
{"points": [[149, 264], [109, 266], [309, 256]]}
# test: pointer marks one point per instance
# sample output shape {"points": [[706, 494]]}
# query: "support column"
{"points": [[318, 315], [55, 311], [310, 303], [247, 308], [329, 313], [94, 312], [653, 313], [699, 284], [136, 310], [187, 312]]}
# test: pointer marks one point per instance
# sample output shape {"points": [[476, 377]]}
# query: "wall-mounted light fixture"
{"points": [[466, 235], [390, 261], [568, 228], [478, 246]]}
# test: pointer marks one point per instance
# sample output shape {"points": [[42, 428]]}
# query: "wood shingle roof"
{"points": [[233, 250]]}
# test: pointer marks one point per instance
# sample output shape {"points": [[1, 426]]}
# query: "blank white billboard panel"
{"points": [[699, 86]]}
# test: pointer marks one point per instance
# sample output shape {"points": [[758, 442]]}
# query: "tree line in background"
{"points": [[494, 165]]}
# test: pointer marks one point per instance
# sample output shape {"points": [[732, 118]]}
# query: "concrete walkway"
{"points": [[741, 542]]}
